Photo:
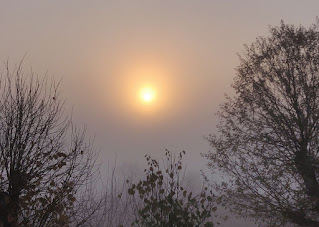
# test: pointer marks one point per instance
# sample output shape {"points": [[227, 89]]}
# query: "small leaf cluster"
{"points": [[165, 201]]}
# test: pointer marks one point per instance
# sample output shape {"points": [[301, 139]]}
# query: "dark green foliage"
{"points": [[165, 201]]}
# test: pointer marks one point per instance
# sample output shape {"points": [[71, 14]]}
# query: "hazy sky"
{"points": [[106, 51]]}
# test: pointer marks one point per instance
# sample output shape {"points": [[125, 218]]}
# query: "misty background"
{"points": [[99, 49]]}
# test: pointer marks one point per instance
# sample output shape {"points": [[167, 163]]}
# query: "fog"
{"points": [[104, 51]]}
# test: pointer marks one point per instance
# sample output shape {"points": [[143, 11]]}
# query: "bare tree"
{"points": [[114, 205], [267, 142], [44, 158]]}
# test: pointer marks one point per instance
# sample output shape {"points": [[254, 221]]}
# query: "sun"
{"points": [[147, 94], [147, 97]]}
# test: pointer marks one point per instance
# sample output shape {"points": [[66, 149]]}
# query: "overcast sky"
{"points": [[106, 51]]}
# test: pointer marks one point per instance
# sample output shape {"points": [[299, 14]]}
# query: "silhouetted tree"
{"points": [[268, 137], [44, 159], [165, 201]]}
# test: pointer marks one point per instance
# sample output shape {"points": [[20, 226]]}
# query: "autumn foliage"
{"points": [[163, 199], [44, 158]]}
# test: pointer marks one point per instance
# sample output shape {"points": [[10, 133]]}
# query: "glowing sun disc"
{"points": [[147, 94], [147, 97]]}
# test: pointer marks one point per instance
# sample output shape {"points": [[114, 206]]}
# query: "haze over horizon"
{"points": [[106, 52]]}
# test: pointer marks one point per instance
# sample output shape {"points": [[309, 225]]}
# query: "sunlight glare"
{"points": [[147, 94]]}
